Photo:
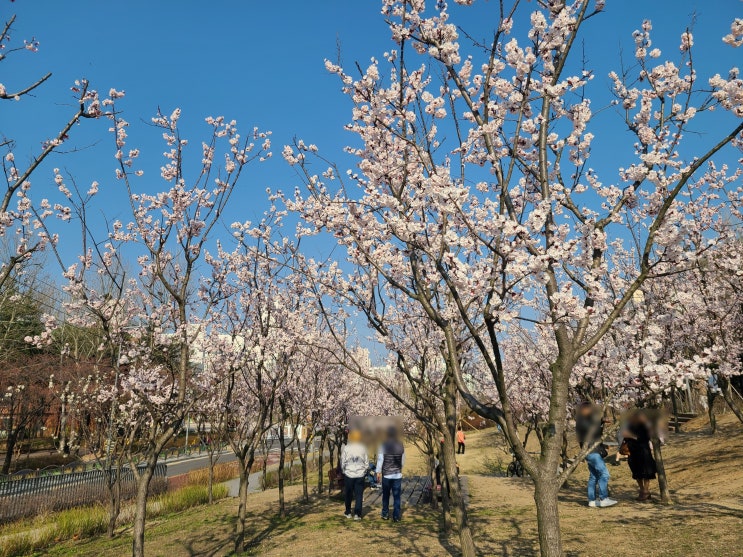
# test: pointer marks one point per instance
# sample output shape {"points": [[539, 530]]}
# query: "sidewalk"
{"points": [[254, 480]]}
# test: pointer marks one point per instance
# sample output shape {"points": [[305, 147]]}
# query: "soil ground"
{"points": [[705, 475]]}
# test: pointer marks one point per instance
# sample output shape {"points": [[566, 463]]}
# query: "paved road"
{"points": [[182, 466], [187, 464]]}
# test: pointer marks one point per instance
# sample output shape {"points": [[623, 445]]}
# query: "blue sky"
{"points": [[260, 63]]}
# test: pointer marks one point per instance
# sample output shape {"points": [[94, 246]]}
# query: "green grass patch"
{"points": [[185, 498], [26, 537], [82, 522]]}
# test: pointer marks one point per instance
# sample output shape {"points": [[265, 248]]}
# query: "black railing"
{"points": [[31, 492]]}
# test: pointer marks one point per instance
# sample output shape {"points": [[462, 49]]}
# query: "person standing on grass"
{"points": [[354, 462], [589, 429], [640, 459], [460, 439], [390, 462]]}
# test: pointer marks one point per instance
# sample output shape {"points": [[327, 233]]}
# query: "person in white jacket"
{"points": [[354, 462]]}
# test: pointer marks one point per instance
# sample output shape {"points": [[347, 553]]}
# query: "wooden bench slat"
{"points": [[415, 496], [412, 491]]}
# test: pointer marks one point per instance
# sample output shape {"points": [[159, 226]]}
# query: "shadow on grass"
{"points": [[259, 528], [415, 529]]}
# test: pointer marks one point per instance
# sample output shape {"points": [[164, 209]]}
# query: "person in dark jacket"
{"points": [[390, 462], [640, 459], [589, 429]]}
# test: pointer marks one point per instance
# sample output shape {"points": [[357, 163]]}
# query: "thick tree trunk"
{"points": [[331, 447], [305, 487], [210, 481], [245, 466], [445, 500], [674, 406], [727, 394], [320, 464], [711, 410], [546, 477], [461, 520], [467, 544], [140, 510], [282, 456], [114, 508], [264, 471], [432, 476], [665, 493], [548, 518], [9, 448], [304, 454]]}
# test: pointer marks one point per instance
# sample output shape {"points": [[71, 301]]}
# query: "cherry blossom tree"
{"points": [[420, 382], [161, 312], [24, 217], [318, 391], [23, 220], [89, 420], [475, 197], [258, 320], [685, 327]]}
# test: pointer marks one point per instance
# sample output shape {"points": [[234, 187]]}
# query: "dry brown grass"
{"points": [[223, 471]]}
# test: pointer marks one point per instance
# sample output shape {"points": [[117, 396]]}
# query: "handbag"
{"points": [[624, 448]]}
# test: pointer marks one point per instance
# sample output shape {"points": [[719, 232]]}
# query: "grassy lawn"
{"points": [[704, 473]]}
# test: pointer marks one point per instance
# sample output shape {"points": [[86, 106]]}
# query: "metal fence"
{"points": [[29, 493]]}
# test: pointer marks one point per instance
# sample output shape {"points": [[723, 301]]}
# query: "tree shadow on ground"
{"points": [[259, 527], [415, 529]]}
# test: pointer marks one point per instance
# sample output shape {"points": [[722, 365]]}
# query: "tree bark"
{"points": [[331, 448], [264, 470], [727, 394], [445, 500], [467, 544], [547, 478], [460, 507], [711, 410], [320, 464], [140, 511], [665, 493], [9, 447], [305, 487], [548, 518], [282, 455], [432, 477], [114, 509], [245, 466], [674, 406]]}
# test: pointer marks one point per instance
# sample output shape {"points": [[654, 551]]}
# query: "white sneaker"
{"points": [[592, 504], [357, 517], [348, 515], [608, 502]]}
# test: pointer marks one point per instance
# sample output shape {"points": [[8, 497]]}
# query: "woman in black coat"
{"points": [[640, 460]]}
